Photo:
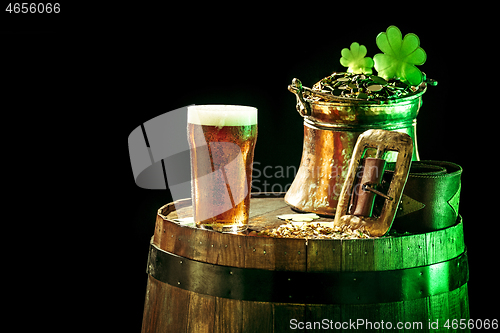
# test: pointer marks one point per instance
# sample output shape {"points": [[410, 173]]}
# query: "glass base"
{"points": [[228, 228]]}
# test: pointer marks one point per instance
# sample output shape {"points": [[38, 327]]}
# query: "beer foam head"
{"points": [[222, 115]]}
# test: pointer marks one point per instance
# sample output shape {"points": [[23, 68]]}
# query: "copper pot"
{"points": [[330, 132]]}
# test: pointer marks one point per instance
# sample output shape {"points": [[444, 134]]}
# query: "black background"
{"points": [[76, 85]]}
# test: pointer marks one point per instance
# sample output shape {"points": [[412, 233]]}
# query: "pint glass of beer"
{"points": [[222, 141]]}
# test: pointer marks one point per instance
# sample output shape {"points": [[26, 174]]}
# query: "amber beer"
{"points": [[222, 141]]}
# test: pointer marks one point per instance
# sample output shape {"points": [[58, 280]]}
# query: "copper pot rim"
{"points": [[343, 101]]}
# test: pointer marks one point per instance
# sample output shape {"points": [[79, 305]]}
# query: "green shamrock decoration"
{"points": [[400, 56], [355, 59]]}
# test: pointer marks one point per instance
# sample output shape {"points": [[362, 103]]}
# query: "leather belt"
{"points": [[430, 198]]}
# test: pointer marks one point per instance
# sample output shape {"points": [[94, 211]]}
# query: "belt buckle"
{"points": [[355, 205]]}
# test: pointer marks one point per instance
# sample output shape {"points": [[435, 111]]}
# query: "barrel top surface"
{"points": [[298, 254]]}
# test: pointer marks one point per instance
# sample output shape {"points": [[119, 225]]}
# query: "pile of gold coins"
{"points": [[315, 230], [363, 86]]}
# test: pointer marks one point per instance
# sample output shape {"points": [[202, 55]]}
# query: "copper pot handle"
{"points": [[302, 107]]}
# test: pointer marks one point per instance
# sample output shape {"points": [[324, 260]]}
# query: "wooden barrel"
{"points": [[204, 281]]}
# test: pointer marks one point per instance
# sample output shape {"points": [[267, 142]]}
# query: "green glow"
{"points": [[455, 199], [354, 58], [400, 56]]}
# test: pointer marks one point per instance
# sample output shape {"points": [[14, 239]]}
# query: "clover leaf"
{"points": [[354, 58], [400, 56]]}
